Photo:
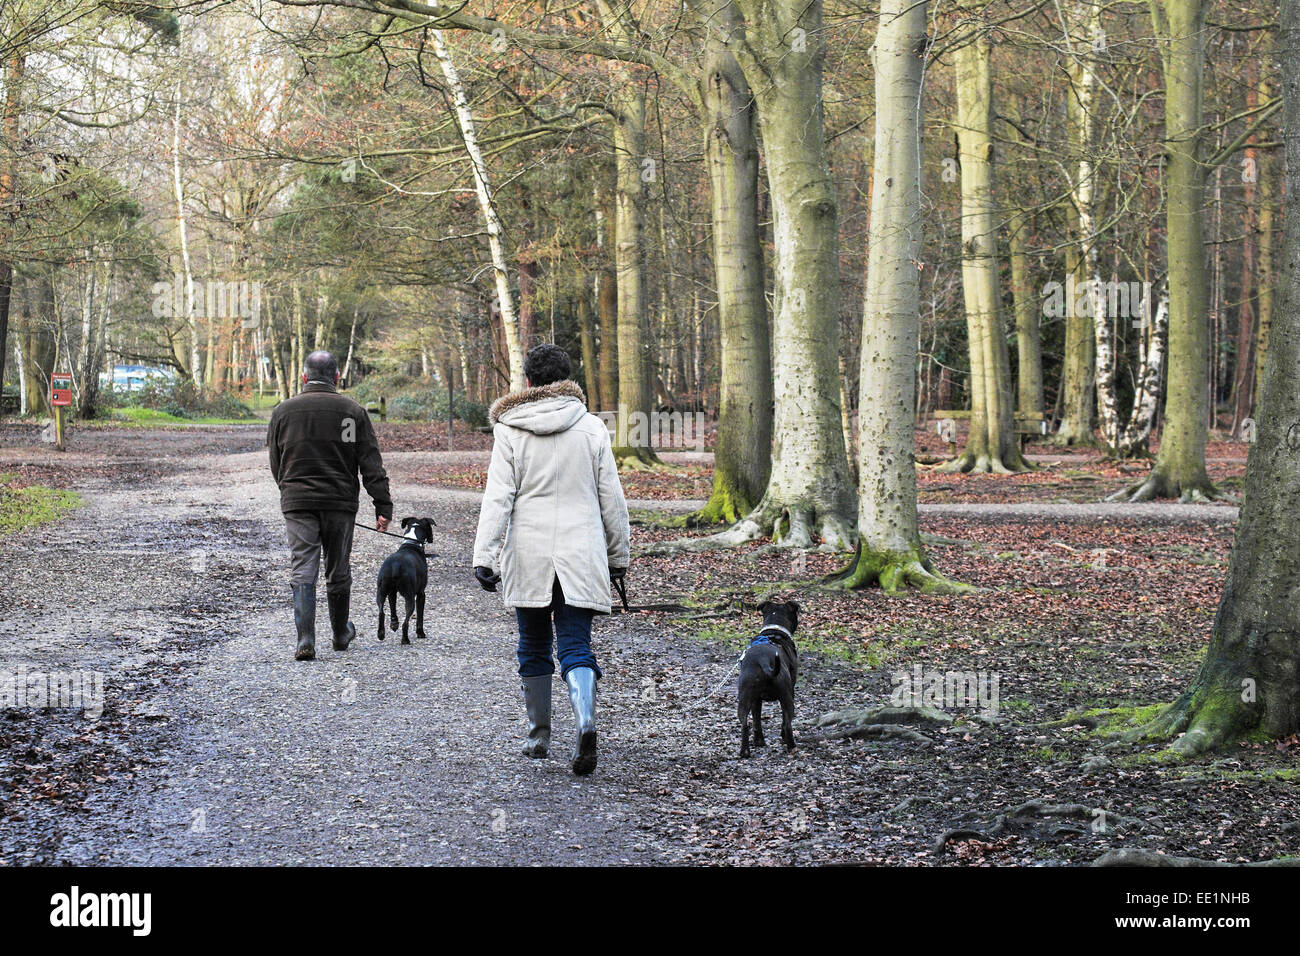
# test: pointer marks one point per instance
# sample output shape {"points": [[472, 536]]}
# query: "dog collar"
{"points": [[765, 638]]}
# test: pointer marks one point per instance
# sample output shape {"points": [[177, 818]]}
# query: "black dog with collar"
{"points": [[406, 572], [768, 672]]}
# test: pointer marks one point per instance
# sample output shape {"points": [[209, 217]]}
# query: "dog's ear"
{"points": [[793, 608], [407, 522], [762, 608]]}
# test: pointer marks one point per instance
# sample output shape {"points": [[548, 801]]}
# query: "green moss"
{"points": [[894, 571], [149, 417], [1112, 721], [726, 505], [1163, 758], [23, 508]]}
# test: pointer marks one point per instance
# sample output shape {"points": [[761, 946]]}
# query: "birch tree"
{"points": [[487, 206]]}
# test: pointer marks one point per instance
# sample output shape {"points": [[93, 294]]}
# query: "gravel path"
{"points": [[217, 748]]}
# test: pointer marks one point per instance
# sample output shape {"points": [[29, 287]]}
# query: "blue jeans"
{"points": [[572, 637]]}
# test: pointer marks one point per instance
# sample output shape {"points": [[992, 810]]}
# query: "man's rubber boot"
{"points": [[304, 617], [537, 701], [582, 695], [345, 631]]}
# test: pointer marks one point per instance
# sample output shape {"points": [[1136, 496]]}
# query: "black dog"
{"points": [[406, 572], [768, 672]]}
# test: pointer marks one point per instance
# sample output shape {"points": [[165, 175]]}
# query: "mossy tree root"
{"points": [[727, 505], [629, 458], [1158, 484], [894, 571], [800, 527], [1209, 716], [972, 464]]}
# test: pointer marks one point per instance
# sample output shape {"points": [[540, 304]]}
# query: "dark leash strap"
{"points": [[427, 554], [622, 591]]}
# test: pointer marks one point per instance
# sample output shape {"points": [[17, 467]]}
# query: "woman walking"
{"points": [[553, 530]]}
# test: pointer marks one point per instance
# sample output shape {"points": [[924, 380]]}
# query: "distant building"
{"points": [[132, 378]]}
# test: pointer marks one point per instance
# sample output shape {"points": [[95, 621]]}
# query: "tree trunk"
{"points": [[742, 457], [1083, 90], [1077, 374], [1243, 378], [635, 386], [1029, 343], [187, 277], [606, 309], [15, 65], [1147, 398], [587, 337], [889, 548], [992, 445], [809, 494], [487, 205], [1266, 278], [1179, 471], [1249, 682]]}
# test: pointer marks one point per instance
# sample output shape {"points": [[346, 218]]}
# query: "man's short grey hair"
{"points": [[320, 367]]}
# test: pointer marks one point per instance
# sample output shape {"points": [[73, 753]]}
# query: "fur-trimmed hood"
{"points": [[542, 410]]}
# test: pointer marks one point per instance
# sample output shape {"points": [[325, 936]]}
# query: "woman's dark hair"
{"points": [[547, 363]]}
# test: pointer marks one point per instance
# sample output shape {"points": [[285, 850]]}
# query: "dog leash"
{"points": [[427, 554], [721, 682], [622, 591], [756, 640]]}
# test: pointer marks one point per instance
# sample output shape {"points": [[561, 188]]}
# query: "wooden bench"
{"points": [[381, 409], [1025, 424], [10, 404]]}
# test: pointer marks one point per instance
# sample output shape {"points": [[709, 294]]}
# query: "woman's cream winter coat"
{"points": [[553, 494]]}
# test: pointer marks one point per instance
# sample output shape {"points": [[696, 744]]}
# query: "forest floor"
{"points": [[214, 746]]}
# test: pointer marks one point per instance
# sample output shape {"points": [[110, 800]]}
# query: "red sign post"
{"points": [[60, 398]]}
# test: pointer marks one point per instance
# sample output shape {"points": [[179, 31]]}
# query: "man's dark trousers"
{"points": [[313, 532]]}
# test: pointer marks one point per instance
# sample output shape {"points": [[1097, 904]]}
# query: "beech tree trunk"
{"points": [[1029, 342], [1249, 682], [889, 550], [1179, 470], [743, 453], [635, 386], [809, 496], [992, 445]]}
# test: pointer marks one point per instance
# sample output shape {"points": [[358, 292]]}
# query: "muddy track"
{"points": [[215, 747]]}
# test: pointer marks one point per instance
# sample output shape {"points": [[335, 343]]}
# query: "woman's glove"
{"points": [[487, 578]]}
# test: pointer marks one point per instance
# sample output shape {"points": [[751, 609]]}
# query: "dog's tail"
{"points": [[772, 666]]}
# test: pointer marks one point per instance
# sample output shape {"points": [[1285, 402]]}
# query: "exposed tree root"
{"points": [[894, 572], [726, 505], [1199, 490], [638, 459], [972, 464], [795, 527], [1066, 437], [1208, 717]]}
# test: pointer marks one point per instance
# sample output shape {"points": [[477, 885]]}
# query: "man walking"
{"points": [[318, 441], [554, 529]]}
